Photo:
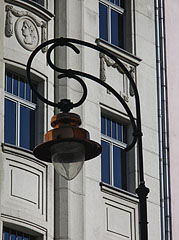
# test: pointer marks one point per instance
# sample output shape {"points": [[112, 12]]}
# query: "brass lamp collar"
{"points": [[66, 129]]}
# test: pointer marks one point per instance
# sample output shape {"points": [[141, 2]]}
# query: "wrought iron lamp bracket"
{"points": [[65, 105]]}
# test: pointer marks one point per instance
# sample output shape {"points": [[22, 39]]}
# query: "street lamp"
{"points": [[67, 145]]}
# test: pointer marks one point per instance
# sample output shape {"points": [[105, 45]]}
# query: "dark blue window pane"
{"points": [[10, 234], [103, 22], [22, 88], [116, 28], [9, 82], [15, 85], [13, 235], [27, 128], [28, 92], [19, 236], [119, 132], [103, 125], [109, 127], [117, 167], [105, 162], [10, 122], [6, 234], [112, 1], [114, 130], [117, 2], [39, 1]]}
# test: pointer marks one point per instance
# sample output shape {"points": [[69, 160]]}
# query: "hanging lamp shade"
{"points": [[67, 146]]}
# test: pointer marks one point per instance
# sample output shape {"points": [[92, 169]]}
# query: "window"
{"points": [[41, 2], [20, 117], [115, 22], [113, 158], [10, 234]]}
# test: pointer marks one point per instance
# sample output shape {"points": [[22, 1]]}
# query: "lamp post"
{"points": [[67, 145]]}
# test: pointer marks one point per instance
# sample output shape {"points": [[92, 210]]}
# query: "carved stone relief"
{"points": [[102, 67], [132, 72], [27, 33], [106, 61], [26, 28], [9, 22]]}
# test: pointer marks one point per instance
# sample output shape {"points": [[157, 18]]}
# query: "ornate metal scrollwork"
{"points": [[66, 105]]}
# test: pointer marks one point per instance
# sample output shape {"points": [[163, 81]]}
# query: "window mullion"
{"points": [[6, 82], [115, 142], [18, 86], [25, 90], [114, 6], [122, 130], [12, 83], [31, 95], [104, 125], [111, 164], [109, 24], [21, 100], [18, 124]]}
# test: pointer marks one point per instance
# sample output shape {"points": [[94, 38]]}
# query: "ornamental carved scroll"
{"points": [[105, 62], [26, 28]]}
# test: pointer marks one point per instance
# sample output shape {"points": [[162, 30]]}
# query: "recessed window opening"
{"points": [[111, 22], [41, 2], [113, 158], [20, 116], [11, 234], [115, 25]]}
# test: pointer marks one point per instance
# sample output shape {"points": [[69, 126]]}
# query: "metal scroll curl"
{"points": [[65, 105]]}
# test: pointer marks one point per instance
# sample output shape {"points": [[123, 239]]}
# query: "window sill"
{"points": [[19, 152], [117, 192], [119, 52]]}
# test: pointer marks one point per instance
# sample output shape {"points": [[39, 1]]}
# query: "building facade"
{"points": [[100, 203]]}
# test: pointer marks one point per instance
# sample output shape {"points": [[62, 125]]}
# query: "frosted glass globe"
{"points": [[68, 158]]}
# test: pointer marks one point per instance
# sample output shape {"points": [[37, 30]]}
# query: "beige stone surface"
{"points": [[82, 209]]}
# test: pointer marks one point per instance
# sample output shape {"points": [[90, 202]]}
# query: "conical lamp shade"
{"points": [[67, 145]]}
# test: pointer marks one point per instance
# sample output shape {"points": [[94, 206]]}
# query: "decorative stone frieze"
{"points": [[9, 22], [27, 28], [132, 72], [102, 67], [105, 62]]}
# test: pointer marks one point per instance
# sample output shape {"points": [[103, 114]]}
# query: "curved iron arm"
{"points": [[137, 131], [66, 105]]}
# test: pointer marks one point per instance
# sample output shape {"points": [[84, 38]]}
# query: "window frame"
{"points": [[19, 102], [121, 144], [38, 2], [18, 234], [111, 6]]}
